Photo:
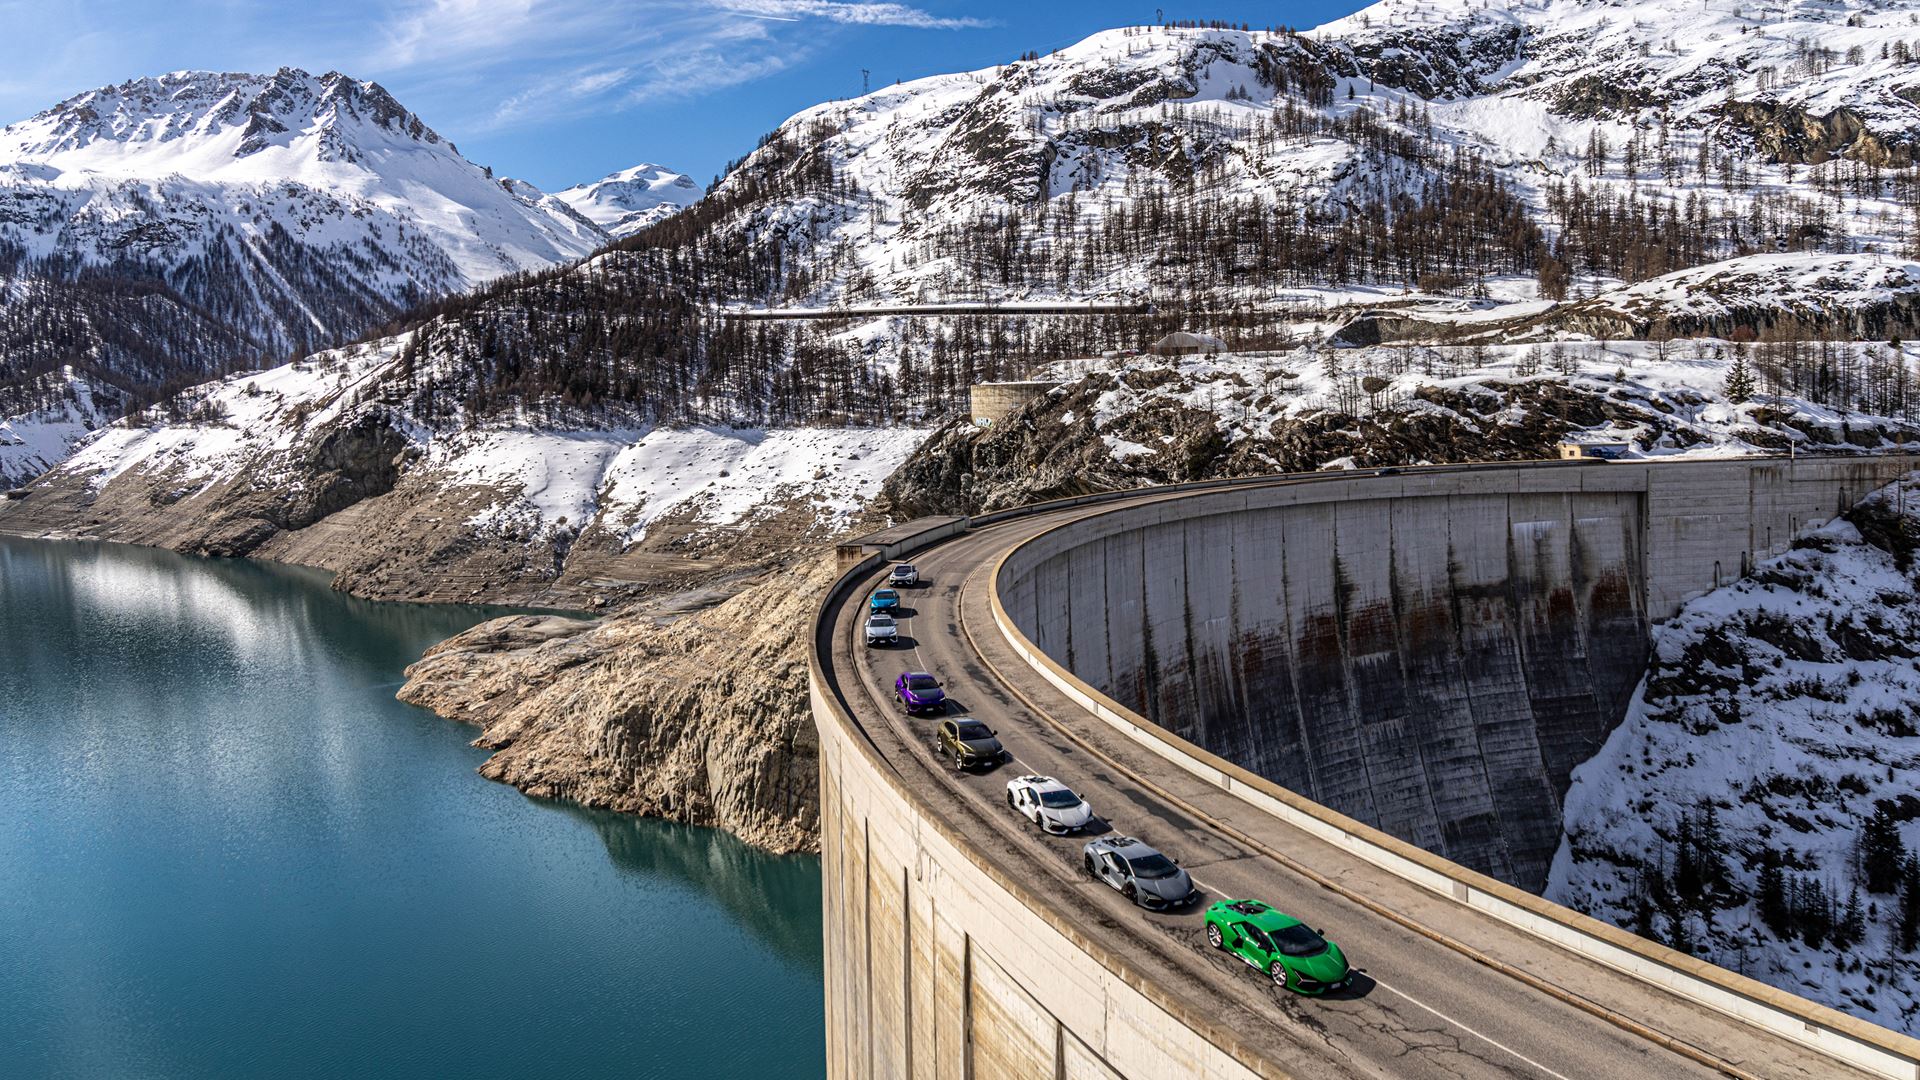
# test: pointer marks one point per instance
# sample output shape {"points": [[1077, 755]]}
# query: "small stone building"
{"points": [[1187, 343], [1593, 448]]}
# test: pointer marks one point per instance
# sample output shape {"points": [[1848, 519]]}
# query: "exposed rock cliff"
{"points": [[697, 717]]}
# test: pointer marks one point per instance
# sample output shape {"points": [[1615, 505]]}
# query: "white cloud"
{"points": [[524, 61], [861, 14]]}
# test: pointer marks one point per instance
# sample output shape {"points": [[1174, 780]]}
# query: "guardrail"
{"points": [[1830, 1032]]}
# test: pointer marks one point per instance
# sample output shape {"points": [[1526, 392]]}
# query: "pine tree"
{"points": [[1772, 901], [1812, 912], [1883, 855], [1852, 924], [1739, 385], [1909, 936], [1710, 858]]}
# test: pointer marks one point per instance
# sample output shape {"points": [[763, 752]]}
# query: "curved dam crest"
{"points": [[1433, 661]]}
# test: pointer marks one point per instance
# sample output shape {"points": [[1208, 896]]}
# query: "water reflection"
{"points": [[777, 899], [226, 850]]}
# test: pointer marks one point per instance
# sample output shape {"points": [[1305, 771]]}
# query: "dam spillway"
{"points": [[1432, 656]]}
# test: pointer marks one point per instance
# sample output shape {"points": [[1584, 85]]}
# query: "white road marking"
{"points": [[1517, 1055]]}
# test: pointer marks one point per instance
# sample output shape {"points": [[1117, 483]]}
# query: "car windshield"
{"points": [[974, 731], [1152, 866], [887, 594], [1060, 799], [903, 568], [921, 682], [880, 620], [1297, 940]]}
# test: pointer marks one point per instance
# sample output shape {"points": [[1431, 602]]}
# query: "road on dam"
{"points": [[1420, 1007]]}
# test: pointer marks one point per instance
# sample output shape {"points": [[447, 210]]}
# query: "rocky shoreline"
{"points": [[698, 717]]}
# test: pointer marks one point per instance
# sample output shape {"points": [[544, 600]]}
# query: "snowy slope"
{"points": [[42, 421], [543, 479], [627, 201], [1785, 702], [1726, 108], [166, 229]]}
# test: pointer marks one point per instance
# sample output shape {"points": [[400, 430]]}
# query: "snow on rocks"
{"points": [[43, 421], [1665, 399], [624, 480], [1778, 714]]}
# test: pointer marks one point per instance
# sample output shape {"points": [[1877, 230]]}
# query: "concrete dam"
{"points": [[1357, 695], [1431, 657]]}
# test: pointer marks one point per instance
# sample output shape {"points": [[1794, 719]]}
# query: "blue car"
{"points": [[885, 600]]}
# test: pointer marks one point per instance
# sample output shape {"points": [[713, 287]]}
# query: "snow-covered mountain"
{"points": [[625, 202], [167, 229], [1459, 153], [1738, 127], [166, 168], [1758, 805]]}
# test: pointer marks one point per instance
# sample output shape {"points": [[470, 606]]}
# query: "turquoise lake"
{"points": [[227, 851]]}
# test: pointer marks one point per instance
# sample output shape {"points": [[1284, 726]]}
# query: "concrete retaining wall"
{"points": [[989, 403]]}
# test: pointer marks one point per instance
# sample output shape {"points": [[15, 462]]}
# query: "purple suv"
{"points": [[919, 692]]}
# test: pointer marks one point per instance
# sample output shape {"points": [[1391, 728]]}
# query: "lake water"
{"points": [[227, 851]]}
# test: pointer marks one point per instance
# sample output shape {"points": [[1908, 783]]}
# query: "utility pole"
{"points": [[866, 86]]}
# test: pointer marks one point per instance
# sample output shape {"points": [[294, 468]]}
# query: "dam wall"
{"points": [[939, 963], [1431, 654]]}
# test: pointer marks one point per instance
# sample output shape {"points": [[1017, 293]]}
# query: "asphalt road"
{"points": [[1418, 1008]]}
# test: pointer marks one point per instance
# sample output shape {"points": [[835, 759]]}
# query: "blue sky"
{"points": [[562, 91]]}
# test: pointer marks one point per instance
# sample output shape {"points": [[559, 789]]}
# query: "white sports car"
{"points": [[1048, 803]]}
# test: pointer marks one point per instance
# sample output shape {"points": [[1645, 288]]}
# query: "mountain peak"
{"points": [[216, 116], [627, 201]]}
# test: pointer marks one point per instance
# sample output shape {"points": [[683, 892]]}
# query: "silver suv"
{"points": [[903, 575], [882, 629]]}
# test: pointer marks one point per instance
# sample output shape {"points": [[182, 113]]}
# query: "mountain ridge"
{"points": [[173, 228]]}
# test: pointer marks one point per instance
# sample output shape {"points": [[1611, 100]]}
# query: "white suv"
{"points": [[882, 630], [904, 574]]}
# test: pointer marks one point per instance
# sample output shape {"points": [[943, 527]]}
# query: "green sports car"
{"points": [[1293, 955]]}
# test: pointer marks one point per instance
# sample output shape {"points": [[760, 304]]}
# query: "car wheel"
{"points": [[1010, 800], [958, 765], [1130, 892], [1213, 936], [1278, 971], [1087, 861]]}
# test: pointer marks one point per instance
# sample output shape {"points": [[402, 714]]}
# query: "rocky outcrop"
{"points": [[697, 716], [1755, 808], [1790, 133]]}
